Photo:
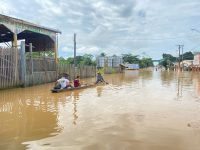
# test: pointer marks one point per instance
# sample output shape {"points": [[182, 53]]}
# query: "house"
{"points": [[187, 63], [132, 66], [109, 61], [196, 61]]}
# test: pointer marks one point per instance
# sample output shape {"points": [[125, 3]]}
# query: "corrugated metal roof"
{"points": [[12, 19]]}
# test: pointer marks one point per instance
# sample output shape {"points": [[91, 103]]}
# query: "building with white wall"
{"points": [[109, 61], [196, 60]]}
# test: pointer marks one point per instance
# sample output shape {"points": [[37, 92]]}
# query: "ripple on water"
{"points": [[135, 111], [194, 124]]}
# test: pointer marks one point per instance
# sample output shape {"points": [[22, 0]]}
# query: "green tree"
{"points": [[86, 59], [146, 62], [103, 54], [131, 59], [169, 57], [168, 60], [70, 60], [188, 56]]}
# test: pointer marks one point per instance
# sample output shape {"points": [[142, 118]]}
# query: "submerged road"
{"points": [[138, 110]]}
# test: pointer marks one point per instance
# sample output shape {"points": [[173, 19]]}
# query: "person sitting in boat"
{"points": [[77, 82], [62, 83], [100, 79]]}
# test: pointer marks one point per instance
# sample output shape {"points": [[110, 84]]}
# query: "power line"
{"points": [[74, 49]]}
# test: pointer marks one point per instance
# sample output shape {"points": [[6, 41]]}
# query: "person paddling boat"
{"points": [[100, 79]]}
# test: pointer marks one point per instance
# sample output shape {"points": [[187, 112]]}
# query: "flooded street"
{"points": [[138, 110]]}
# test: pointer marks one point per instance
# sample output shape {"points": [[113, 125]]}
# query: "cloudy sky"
{"points": [[142, 27]]}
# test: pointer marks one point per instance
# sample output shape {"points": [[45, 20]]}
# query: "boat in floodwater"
{"points": [[77, 88]]}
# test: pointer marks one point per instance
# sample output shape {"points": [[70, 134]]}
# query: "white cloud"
{"points": [[114, 26], [48, 7], [6, 8]]}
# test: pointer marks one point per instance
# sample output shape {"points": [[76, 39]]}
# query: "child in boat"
{"points": [[77, 82], [62, 83]]}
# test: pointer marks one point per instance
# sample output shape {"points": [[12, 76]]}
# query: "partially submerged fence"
{"points": [[81, 70], [16, 69], [110, 70], [40, 70], [9, 67]]}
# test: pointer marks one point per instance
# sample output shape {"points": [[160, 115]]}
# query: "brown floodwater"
{"points": [[138, 110]]}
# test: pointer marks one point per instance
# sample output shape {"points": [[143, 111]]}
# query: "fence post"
{"points": [[31, 59], [22, 64]]}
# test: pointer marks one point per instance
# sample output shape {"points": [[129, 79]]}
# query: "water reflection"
{"points": [[99, 91], [27, 114], [122, 79], [136, 110], [179, 88], [75, 111], [146, 74], [167, 77]]}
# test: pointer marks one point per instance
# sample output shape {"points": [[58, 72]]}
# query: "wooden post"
{"points": [[14, 44], [23, 64], [56, 55], [56, 49]]}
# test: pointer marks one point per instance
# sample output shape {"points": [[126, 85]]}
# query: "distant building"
{"points": [[116, 61], [109, 61], [132, 66], [187, 63], [100, 61], [196, 60]]}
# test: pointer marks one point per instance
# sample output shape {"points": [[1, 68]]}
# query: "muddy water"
{"points": [[146, 110]]}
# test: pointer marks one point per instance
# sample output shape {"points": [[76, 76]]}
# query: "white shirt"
{"points": [[63, 82]]}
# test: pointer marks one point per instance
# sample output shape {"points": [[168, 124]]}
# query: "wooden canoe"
{"points": [[72, 88]]}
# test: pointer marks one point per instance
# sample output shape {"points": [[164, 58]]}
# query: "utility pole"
{"points": [[182, 52], [179, 52], [74, 55], [182, 58]]}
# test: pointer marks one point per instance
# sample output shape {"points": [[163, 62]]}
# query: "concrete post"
{"points": [[31, 63], [23, 64], [31, 57]]}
